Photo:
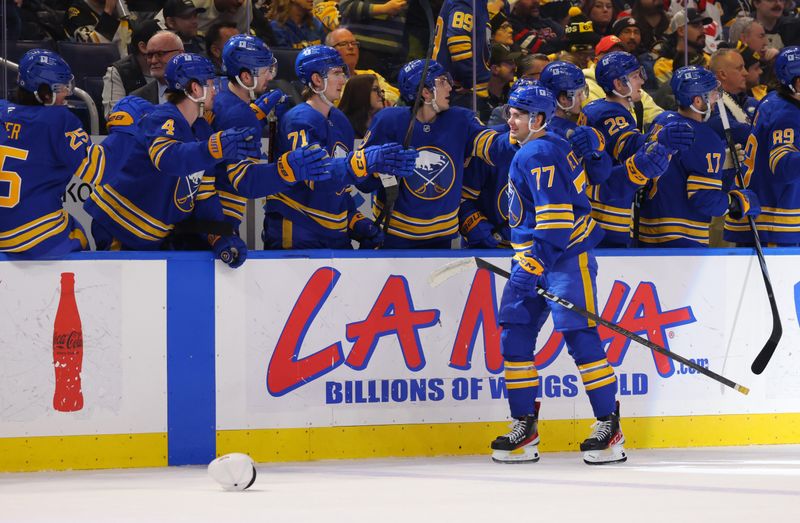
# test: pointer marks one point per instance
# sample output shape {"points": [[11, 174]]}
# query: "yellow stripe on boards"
{"points": [[380, 441], [101, 451]]}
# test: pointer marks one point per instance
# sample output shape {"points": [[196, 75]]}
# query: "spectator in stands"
{"points": [[530, 65], [749, 32], [360, 101], [755, 71], [293, 24], [781, 30], [502, 31], [601, 13], [672, 52], [652, 19], [348, 47], [502, 67], [215, 39], [236, 11], [380, 27], [581, 38], [160, 49], [261, 25], [95, 21], [533, 34], [130, 73], [181, 17], [630, 35]]}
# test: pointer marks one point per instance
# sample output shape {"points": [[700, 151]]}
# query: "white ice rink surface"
{"points": [[753, 484]]}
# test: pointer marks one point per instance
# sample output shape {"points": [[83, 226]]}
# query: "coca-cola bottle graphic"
{"points": [[68, 349]]}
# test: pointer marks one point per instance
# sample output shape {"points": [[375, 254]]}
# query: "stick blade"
{"points": [[763, 357], [447, 271]]}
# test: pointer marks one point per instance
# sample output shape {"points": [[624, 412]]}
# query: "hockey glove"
{"points": [[525, 274], [275, 99], [586, 141], [367, 233], [127, 113], [677, 136], [230, 249], [743, 202], [235, 144], [390, 158], [479, 235], [310, 163], [646, 164]]}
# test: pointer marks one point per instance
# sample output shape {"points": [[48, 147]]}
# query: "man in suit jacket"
{"points": [[160, 49]]}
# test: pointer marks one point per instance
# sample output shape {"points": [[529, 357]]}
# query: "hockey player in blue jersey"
{"points": [[453, 47], [678, 211], [322, 215], [553, 234], [41, 148], [568, 84], [425, 215], [621, 76], [250, 65], [168, 177], [772, 160]]}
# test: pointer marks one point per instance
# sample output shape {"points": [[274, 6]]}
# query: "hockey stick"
{"points": [[450, 270], [390, 185], [763, 357]]}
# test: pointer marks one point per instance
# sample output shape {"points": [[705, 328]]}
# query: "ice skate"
{"points": [[604, 445], [521, 444]]}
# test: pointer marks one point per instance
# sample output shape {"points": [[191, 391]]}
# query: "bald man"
{"points": [[728, 66], [343, 41]]}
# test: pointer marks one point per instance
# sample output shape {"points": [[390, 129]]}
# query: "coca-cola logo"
{"points": [[72, 340]]}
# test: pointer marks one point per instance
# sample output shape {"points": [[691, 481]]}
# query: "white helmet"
{"points": [[233, 471]]}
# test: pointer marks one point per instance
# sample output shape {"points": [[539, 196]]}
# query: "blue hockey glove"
{"points": [[743, 202], [269, 101], [648, 163], [390, 158], [525, 274], [586, 141], [230, 249], [235, 144], [310, 163], [367, 234], [677, 136], [127, 113], [480, 236]]}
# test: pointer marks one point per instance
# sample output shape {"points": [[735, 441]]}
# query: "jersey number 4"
{"points": [[12, 178]]}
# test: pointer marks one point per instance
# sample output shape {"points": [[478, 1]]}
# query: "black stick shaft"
{"points": [[763, 357], [483, 264]]}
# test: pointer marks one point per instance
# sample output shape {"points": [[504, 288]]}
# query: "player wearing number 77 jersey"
{"points": [[41, 147], [553, 234], [772, 160]]}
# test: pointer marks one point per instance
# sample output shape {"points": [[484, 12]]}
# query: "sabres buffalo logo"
{"points": [[502, 202], [185, 189], [515, 209], [434, 174]]}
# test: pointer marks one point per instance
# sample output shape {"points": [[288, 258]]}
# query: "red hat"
{"points": [[606, 44]]}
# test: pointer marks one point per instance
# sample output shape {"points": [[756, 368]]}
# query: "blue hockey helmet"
{"points": [[249, 53], [317, 59], [40, 67], [562, 76], [533, 99], [787, 65], [519, 82], [411, 74], [690, 81], [183, 68], [616, 65]]}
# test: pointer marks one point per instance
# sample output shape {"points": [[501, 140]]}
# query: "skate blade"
{"points": [[613, 454], [527, 454]]}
